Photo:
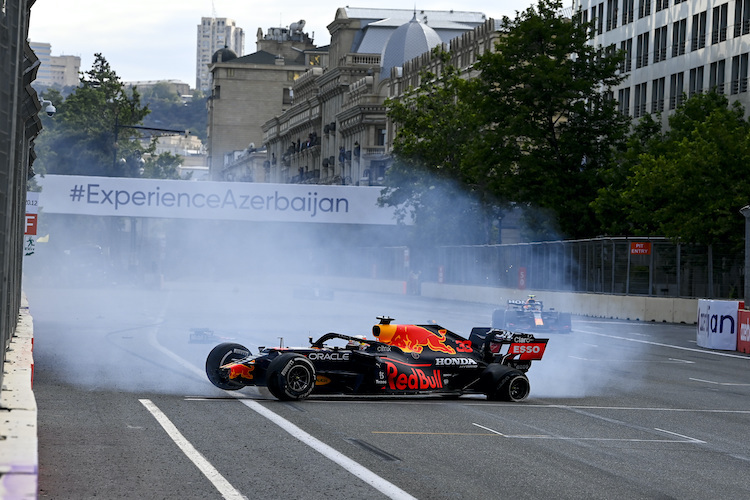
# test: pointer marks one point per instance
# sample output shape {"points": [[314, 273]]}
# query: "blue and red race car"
{"points": [[401, 359]]}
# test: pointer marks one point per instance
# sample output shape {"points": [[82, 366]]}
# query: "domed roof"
{"points": [[223, 55], [408, 41]]}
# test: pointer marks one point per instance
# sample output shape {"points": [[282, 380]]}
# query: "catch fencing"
{"points": [[623, 266]]}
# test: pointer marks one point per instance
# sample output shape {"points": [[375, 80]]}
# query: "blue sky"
{"points": [[155, 39]]}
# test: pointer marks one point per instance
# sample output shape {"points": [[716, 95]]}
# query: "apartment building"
{"points": [[62, 70], [247, 91], [215, 34], [674, 49]]}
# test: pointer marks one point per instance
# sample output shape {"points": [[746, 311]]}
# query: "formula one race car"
{"points": [[403, 359], [529, 316]]}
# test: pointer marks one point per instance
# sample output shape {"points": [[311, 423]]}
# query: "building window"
{"points": [[380, 137], [640, 100], [719, 17], [644, 8], [695, 83], [676, 84], [641, 51], [216, 93], [739, 74], [679, 35], [593, 20], [661, 5], [741, 17], [623, 101], [628, 11], [230, 72], [660, 44], [699, 31], [626, 46], [287, 97], [600, 20], [716, 76], [611, 14], [657, 95]]}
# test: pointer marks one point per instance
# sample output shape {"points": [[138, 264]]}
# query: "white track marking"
{"points": [[717, 383], [366, 475], [691, 349], [694, 440], [687, 439], [220, 483]]}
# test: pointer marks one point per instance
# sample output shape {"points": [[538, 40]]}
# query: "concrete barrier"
{"points": [[19, 460]]}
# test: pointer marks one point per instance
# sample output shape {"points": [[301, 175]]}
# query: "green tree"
{"points": [[533, 129], [427, 180], [93, 131], [690, 181], [550, 126]]}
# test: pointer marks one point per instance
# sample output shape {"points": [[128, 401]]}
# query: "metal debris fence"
{"points": [[623, 266]]}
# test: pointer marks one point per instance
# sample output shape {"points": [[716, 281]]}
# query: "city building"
{"points": [[62, 71], [336, 130], [215, 34], [247, 91], [176, 86], [673, 49]]}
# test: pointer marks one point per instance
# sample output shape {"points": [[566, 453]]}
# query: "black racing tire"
{"points": [[220, 355], [503, 383], [498, 319], [290, 377]]}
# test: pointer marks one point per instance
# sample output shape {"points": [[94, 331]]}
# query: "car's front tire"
{"points": [[290, 377], [503, 383], [219, 356]]}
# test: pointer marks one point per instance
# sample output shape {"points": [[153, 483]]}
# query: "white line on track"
{"points": [[366, 475], [691, 349], [220, 483], [717, 383], [687, 439]]}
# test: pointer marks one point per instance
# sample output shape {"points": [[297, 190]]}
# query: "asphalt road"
{"points": [[617, 409]]}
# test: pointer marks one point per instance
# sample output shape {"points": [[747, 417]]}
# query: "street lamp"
{"points": [[746, 212]]}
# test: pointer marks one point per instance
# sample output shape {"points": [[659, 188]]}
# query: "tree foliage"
{"points": [[688, 182], [91, 133], [533, 129]]}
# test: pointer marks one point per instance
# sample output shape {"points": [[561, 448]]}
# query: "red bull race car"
{"points": [[401, 359], [530, 316]]}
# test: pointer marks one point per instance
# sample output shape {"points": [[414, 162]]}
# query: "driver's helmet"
{"points": [[356, 344]]}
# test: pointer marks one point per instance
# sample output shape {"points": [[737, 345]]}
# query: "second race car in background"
{"points": [[530, 316]]}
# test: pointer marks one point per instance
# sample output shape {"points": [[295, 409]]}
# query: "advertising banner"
{"points": [[117, 196], [30, 227], [717, 324]]}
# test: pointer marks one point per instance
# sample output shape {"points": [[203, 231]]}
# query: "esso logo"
{"points": [[524, 349]]}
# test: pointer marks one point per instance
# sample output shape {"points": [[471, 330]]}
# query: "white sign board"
{"points": [[117, 196], [717, 324]]}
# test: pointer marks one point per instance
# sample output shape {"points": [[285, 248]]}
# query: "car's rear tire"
{"points": [[290, 377], [220, 355], [503, 383]]}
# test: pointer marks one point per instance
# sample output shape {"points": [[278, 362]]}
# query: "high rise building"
{"points": [[61, 70], [215, 33], [673, 50]]}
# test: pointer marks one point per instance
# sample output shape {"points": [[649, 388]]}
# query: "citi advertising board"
{"points": [[116, 196]]}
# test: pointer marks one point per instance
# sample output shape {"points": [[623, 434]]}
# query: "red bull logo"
{"points": [[412, 378], [414, 338], [239, 370]]}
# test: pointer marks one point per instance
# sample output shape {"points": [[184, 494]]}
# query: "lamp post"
{"points": [[746, 212]]}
